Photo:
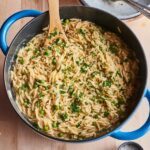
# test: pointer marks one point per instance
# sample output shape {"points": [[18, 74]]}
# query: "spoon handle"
{"points": [[145, 10], [54, 15]]}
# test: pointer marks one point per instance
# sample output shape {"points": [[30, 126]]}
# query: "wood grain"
{"points": [[15, 135]]}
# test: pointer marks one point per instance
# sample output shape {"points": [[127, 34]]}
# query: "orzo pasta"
{"points": [[78, 89]]}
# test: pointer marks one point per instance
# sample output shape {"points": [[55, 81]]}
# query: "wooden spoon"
{"points": [[55, 22]]}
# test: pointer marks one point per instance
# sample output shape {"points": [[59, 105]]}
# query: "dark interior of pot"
{"points": [[101, 18]]}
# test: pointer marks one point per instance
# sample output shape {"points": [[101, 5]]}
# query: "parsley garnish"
{"points": [[107, 83], [106, 114], [74, 107], [21, 60], [113, 48], [63, 116], [55, 124]]}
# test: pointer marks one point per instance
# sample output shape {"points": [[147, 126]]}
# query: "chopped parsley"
{"points": [[26, 103], [40, 81], [107, 83], [121, 101], [21, 60], [24, 87], [70, 90], [37, 83], [36, 51], [77, 96], [60, 42], [96, 116], [65, 21], [28, 49], [53, 34], [63, 116], [55, 124], [62, 92], [113, 48], [60, 134], [47, 53], [81, 31], [118, 73], [55, 107], [41, 95], [101, 99], [54, 61], [95, 73], [106, 114], [46, 128], [42, 112], [33, 57], [35, 125], [38, 103], [74, 107], [84, 68], [78, 62], [78, 124]]}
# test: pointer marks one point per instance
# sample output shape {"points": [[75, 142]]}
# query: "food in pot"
{"points": [[79, 89]]}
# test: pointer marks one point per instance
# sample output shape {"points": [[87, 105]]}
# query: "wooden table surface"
{"points": [[15, 135]]}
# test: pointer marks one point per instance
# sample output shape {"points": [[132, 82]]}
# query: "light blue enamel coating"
{"points": [[137, 133], [7, 24]]}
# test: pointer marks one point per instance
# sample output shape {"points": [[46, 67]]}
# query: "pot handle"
{"points": [[137, 133], [7, 24]]}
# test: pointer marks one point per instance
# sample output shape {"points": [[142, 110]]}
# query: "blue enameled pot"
{"points": [[99, 17]]}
